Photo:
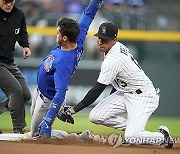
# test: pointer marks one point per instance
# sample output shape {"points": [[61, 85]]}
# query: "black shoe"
{"points": [[0, 132], [18, 131], [168, 140]]}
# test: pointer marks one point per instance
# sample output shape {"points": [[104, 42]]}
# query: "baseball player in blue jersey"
{"points": [[57, 68], [133, 94]]}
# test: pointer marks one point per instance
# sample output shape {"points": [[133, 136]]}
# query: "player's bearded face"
{"points": [[59, 37], [105, 45]]}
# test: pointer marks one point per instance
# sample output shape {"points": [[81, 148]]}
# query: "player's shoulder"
{"points": [[119, 46], [115, 50], [65, 58], [115, 53], [55, 55]]}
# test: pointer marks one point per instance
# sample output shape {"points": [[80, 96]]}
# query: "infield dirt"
{"points": [[67, 146]]}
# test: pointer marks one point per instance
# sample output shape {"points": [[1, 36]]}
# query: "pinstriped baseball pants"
{"points": [[138, 107]]}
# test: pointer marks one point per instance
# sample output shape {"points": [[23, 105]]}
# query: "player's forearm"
{"points": [[59, 96], [96, 3], [52, 112], [87, 18], [90, 12], [56, 104], [92, 8], [90, 97]]}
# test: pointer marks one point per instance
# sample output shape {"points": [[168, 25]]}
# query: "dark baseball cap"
{"points": [[107, 31]]}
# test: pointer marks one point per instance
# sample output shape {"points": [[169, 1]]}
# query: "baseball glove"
{"points": [[65, 115]]}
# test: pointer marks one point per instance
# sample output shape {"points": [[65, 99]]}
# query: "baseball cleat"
{"points": [[168, 140], [18, 131]]}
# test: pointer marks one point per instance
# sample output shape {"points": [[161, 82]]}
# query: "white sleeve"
{"points": [[109, 70]]}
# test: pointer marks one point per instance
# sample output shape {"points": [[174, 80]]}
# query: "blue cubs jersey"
{"points": [[59, 65]]}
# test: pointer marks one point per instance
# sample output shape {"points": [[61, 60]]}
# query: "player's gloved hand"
{"points": [[45, 128], [65, 115]]}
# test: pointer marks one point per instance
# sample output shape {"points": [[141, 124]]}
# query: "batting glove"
{"points": [[45, 128], [65, 115]]}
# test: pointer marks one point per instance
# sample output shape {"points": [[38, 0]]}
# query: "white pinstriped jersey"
{"points": [[120, 69]]}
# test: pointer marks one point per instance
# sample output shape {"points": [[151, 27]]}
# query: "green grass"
{"points": [[82, 123]]}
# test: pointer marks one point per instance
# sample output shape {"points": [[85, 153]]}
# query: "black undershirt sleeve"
{"points": [[113, 90], [90, 97]]}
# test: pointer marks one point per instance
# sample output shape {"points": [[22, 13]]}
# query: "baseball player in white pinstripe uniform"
{"points": [[133, 92]]}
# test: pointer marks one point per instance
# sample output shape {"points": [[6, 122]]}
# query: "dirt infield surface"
{"points": [[74, 147]]}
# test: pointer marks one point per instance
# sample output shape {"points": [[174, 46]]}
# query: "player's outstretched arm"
{"points": [[87, 17], [90, 97], [46, 124], [92, 9]]}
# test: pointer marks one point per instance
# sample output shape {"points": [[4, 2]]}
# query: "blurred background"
{"points": [[149, 28]]}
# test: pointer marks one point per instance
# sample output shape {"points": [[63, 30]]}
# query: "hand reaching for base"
{"points": [[45, 128]]}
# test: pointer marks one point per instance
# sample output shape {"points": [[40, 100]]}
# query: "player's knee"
{"points": [[27, 97], [93, 118]]}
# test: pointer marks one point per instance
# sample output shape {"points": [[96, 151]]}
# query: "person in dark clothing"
{"points": [[12, 83]]}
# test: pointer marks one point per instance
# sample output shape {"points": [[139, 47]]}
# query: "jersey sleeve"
{"points": [[87, 18], [23, 34], [90, 97], [62, 77], [109, 70]]}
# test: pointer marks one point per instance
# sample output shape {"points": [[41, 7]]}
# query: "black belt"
{"points": [[45, 99], [138, 91], [42, 96]]}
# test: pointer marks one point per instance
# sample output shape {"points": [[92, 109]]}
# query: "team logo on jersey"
{"points": [[48, 63]]}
